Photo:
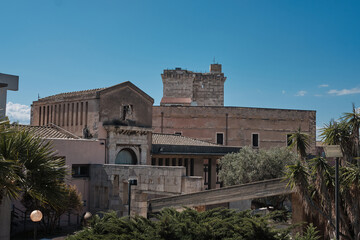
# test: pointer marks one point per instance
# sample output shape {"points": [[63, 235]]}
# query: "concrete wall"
{"points": [[236, 123], [80, 151], [109, 188]]}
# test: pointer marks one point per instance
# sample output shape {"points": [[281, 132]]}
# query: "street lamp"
{"points": [[131, 181], [36, 217], [335, 151]]}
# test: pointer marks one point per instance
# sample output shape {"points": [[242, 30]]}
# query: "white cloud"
{"points": [[18, 113], [301, 93], [323, 85], [344, 91], [318, 95], [283, 92]]}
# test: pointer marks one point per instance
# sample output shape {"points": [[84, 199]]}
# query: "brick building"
{"points": [[193, 106]]}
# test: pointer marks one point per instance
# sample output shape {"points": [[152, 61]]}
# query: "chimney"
{"points": [[215, 68]]}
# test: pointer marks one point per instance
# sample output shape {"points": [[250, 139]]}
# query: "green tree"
{"points": [[250, 165]]}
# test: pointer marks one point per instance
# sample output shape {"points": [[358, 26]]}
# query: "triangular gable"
{"points": [[131, 86]]}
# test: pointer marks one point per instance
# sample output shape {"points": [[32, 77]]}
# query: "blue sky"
{"points": [[275, 54]]}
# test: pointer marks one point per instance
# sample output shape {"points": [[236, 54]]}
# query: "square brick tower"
{"points": [[186, 88]]}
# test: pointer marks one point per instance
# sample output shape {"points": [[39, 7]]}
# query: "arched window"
{"points": [[126, 156]]}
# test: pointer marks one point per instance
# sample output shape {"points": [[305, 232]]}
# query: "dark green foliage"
{"points": [[311, 233], [189, 224]]}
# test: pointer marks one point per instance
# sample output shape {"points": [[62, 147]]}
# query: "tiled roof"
{"points": [[47, 132], [71, 94], [171, 139]]}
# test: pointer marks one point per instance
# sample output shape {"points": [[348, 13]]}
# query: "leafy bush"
{"points": [[189, 224]]}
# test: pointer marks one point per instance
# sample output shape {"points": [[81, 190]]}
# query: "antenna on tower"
{"points": [[214, 60]]}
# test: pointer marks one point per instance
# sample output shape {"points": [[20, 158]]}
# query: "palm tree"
{"points": [[28, 165], [8, 169], [301, 141], [352, 120]]}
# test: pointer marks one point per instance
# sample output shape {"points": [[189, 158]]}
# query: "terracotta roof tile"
{"points": [[71, 94], [47, 132]]}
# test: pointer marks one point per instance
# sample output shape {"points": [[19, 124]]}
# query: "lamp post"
{"points": [[335, 151], [36, 217], [131, 181], [87, 216]]}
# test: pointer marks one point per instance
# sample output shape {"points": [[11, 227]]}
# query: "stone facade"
{"points": [[183, 87], [121, 115], [109, 186]]}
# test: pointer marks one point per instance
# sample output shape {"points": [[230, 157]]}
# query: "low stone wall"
{"points": [[109, 186]]}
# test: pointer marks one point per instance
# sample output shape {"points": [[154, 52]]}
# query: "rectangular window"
{"points": [[44, 115], [72, 114], [63, 116], [174, 161], [68, 115], [206, 174], [51, 113], [191, 167], [178, 133], [55, 114], [39, 116], [77, 114], [288, 140], [47, 115], [86, 112], [81, 113], [160, 162], [186, 163], [220, 138], [80, 170], [167, 161], [180, 162], [153, 161], [255, 140]]}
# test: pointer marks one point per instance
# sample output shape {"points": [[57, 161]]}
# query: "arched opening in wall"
{"points": [[126, 156]]}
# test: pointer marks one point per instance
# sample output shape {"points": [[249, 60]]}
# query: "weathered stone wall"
{"points": [[124, 104], [236, 123], [209, 89], [204, 89], [134, 138], [109, 187], [178, 83]]}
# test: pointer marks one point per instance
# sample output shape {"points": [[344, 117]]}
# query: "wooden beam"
{"points": [[253, 190]]}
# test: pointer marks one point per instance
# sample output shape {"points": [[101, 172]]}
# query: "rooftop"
{"points": [[49, 132], [71, 94], [172, 139]]}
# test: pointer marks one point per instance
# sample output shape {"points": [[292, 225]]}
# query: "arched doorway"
{"points": [[126, 156]]}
